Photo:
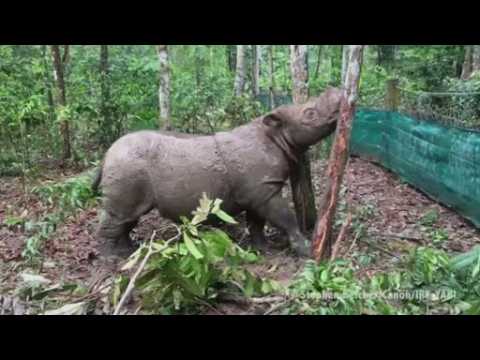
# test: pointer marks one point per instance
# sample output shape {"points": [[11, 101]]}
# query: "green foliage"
{"points": [[64, 198], [202, 97], [39, 232], [465, 107], [430, 283], [430, 218], [69, 195], [191, 273]]}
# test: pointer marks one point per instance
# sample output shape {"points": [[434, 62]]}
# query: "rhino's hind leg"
{"points": [[256, 224], [277, 213], [114, 235]]}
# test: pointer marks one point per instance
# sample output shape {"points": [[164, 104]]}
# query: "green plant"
{"points": [[191, 273], [438, 236], [430, 283], [71, 194], [39, 231], [65, 198], [430, 218], [427, 265]]}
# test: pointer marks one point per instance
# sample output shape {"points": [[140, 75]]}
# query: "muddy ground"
{"points": [[392, 213]]}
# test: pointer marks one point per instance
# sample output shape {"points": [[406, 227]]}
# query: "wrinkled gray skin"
{"points": [[246, 167]]}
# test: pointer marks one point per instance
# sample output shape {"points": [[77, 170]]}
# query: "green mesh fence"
{"points": [[441, 161]]}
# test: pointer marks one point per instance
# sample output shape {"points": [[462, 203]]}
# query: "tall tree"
{"points": [[322, 238], [300, 173], [106, 126], [231, 57], [271, 73], [48, 82], [319, 61], [164, 87], [240, 73], [60, 62], [467, 63], [475, 58], [386, 55], [256, 69], [344, 62]]}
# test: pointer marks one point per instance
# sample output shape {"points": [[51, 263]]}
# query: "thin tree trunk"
{"points": [[240, 73], [271, 75], [59, 65], [199, 66], [106, 127], [300, 173], [48, 83], [256, 69], [231, 57], [475, 58], [322, 240], [344, 63], [164, 88], [319, 62], [299, 71], [467, 63]]}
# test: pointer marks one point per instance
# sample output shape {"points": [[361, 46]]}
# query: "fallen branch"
{"points": [[277, 307], [141, 267], [398, 236], [388, 252]]}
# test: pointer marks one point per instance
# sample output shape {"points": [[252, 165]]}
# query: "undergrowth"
{"points": [[428, 282], [194, 272], [62, 199]]}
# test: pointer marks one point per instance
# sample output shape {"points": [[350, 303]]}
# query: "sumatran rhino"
{"points": [[246, 167]]}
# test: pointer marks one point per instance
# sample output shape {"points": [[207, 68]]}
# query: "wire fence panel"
{"points": [[442, 161]]}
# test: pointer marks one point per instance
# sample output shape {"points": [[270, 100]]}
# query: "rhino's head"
{"points": [[295, 127]]}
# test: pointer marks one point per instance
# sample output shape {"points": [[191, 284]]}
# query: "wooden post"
{"points": [[392, 95]]}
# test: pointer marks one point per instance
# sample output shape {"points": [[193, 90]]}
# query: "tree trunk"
{"points": [[199, 66], [48, 83], [231, 57], [467, 63], [256, 69], [106, 127], [59, 65], [300, 174], [299, 71], [344, 63], [164, 88], [319, 62], [322, 239], [475, 58], [386, 55], [240, 74], [271, 68]]}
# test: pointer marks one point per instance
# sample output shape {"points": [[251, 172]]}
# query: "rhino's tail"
{"points": [[97, 179]]}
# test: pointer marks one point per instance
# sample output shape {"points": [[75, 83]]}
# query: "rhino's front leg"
{"points": [[277, 213]]}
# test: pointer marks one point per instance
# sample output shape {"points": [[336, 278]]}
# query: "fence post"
{"points": [[392, 95]]}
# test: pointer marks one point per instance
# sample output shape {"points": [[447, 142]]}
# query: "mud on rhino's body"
{"points": [[245, 167]]}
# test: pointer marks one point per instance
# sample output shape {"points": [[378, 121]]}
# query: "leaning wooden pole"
{"points": [[322, 243]]}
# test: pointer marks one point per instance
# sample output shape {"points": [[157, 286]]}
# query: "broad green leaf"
{"points": [[191, 246], [225, 217]]}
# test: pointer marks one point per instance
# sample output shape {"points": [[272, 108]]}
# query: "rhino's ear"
{"points": [[273, 120]]}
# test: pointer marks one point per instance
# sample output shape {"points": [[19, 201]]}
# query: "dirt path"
{"points": [[389, 210]]}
